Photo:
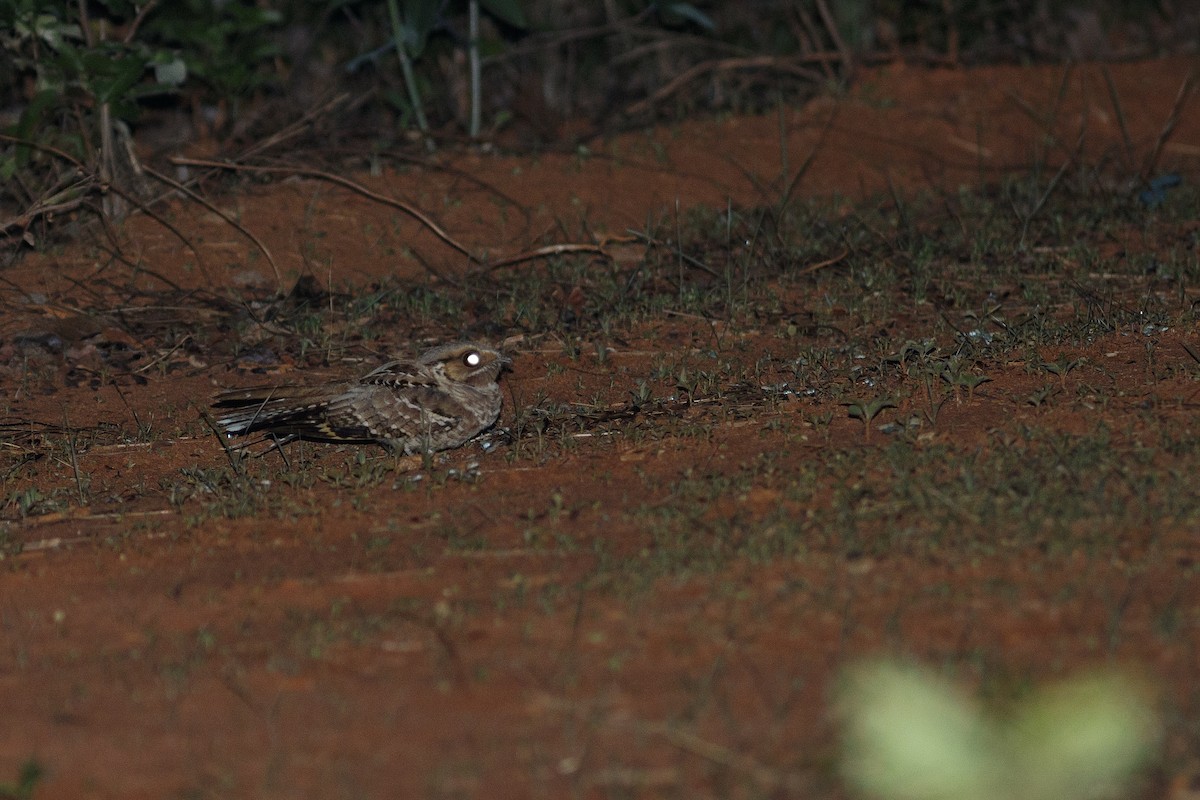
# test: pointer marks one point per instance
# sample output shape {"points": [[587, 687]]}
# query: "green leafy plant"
{"points": [[73, 65], [30, 774], [1063, 367], [80, 74], [225, 46], [909, 735], [954, 372], [868, 410]]}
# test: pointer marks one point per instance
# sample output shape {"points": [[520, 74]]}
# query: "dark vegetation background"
{"points": [[95, 95]]}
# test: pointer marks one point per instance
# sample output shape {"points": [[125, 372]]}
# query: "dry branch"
{"points": [[408, 209]]}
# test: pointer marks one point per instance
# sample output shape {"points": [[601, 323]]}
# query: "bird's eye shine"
{"points": [[472, 359]]}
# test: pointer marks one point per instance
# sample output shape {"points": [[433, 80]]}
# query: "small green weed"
{"points": [[911, 736], [28, 777]]}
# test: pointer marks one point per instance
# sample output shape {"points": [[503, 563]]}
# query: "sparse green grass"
{"points": [[974, 296], [1033, 488], [925, 299], [28, 777]]}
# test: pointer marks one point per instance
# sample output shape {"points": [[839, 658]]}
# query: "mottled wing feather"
{"points": [[411, 417], [400, 374]]}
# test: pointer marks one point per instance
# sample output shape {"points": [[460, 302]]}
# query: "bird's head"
{"points": [[467, 362]]}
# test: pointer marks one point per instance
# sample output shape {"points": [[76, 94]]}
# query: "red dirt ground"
{"points": [[463, 640]]}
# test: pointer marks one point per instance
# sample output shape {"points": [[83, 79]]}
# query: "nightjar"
{"points": [[436, 402]]}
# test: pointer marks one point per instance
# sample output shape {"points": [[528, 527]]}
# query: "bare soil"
{"points": [[566, 613]]}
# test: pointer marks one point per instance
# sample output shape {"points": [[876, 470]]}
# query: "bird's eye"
{"points": [[472, 359]]}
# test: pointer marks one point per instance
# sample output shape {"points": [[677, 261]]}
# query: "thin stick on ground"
{"points": [[408, 209], [766, 777], [1119, 109], [241, 228], [80, 193], [461, 174], [69, 435], [295, 128], [820, 265], [62, 201], [676, 250], [1181, 98], [137, 421], [233, 454], [547, 252], [154, 215]]}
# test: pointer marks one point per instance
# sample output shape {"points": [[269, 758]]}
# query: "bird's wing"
{"points": [[398, 409]]}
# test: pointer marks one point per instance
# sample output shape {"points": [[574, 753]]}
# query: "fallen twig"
{"points": [[546, 252], [237, 225], [408, 209], [1168, 128], [767, 778], [690, 260], [820, 265]]}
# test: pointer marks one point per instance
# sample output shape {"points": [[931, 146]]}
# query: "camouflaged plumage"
{"points": [[438, 401]]}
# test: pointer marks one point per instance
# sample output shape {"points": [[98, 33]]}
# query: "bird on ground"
{"points": [[440, 400]]}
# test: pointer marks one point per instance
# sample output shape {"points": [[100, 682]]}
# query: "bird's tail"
{"points": [[290, 409]]}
